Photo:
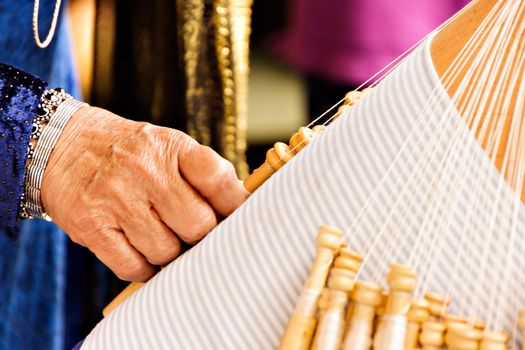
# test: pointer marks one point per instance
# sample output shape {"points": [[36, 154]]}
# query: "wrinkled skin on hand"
{"points": [[131, 192]]}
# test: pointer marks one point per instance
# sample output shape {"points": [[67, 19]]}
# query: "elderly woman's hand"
{"points": [[131, 191]]}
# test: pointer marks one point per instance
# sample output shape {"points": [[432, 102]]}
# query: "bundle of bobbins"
{"points": [[335, 310]]}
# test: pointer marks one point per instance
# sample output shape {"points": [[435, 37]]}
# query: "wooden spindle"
{"points": [[437, 305], [366, 298], [301, 139], [432, 335], [390, 334], [450, 320], [380, 310], [340, 282], [318, 129], [322, 306], [127, 292], [416, 316], [494, 341], [352, 97], [300, 328], [276, 157], [521, 324], [341, 110], [462, 337], [479, 325]]}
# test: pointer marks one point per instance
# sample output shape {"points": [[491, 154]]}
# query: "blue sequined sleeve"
{"points": [[19, 96]]}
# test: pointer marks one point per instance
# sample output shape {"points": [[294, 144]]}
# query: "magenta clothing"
{"points": [[348, 41]]}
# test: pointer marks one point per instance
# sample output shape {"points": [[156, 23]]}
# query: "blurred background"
{"points": [[238, 75]]}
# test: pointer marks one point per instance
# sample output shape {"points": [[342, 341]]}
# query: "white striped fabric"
{"points": [[399, 173]]}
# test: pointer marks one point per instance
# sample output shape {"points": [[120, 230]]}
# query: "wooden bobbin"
{"points": [[462, 337], [127, 292], [380, 310], [300, 328], [391, 331], [331, 327], [438, 305], [301, 139], [479, 325], [491, 340], [450, 320], [348, 259], [276, 157], [341, 282], [341, 110], [280, 154], [521, 324], [318, 129], [366, 298], [322, 306], [432, 335], [401, 281], [416, 316], [352, 97]]}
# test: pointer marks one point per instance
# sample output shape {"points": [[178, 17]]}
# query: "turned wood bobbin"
{"points": [[521, 324], [380, 310], [491, 340], [479, 325], [322, 307], [432, 335], [276, 157], [401, 281], [340, 282], [450, 320], [461, 336], [341, 110], [416, 316], [366, 298], [438, 304], [127, 292], [300, 328], [301, 139], [391, 330], [352, 97]]}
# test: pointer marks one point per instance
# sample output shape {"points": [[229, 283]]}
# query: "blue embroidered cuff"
{"points": [[19, 97]]}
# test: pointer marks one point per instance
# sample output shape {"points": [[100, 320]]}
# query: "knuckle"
{"points": [[165, 256], [203, 223], [165, 252], [223, 175], [186, 145], [130, 270], [144, 130]]}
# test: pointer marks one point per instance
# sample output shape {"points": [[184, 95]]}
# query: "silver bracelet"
{"points": [[48, 137]]}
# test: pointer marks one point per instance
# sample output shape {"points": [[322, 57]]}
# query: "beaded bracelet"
{"points": [[54, 111]]}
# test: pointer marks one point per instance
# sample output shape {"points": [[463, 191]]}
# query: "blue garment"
{"points": [[40, 294], [19, 96]]}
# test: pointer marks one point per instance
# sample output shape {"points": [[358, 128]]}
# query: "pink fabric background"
{"points": [[347, 41]]}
